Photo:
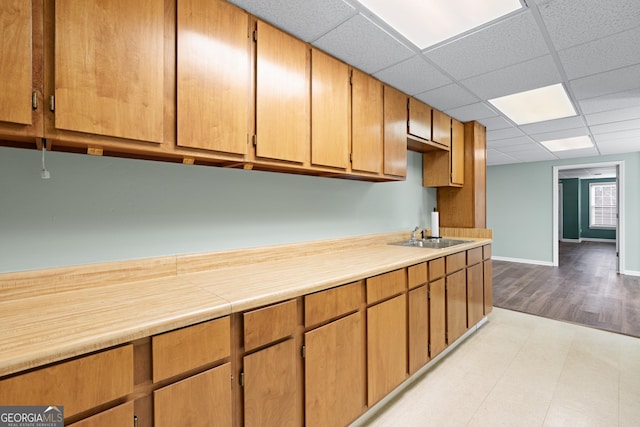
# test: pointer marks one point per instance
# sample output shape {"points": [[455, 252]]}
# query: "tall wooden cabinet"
{"points": [[367, 122], [213, 76], [21, 68], [282, 96], [395, 132], [109, 69]]}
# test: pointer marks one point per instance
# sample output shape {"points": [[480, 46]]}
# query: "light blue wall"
{"points": [[96, 209], [519, 208]]}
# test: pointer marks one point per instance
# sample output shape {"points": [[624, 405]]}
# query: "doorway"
{"points": [[615, 169]]}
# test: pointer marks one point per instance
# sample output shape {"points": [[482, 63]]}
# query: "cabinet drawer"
{"points": [[417, 275], [189, 348], [436, 269], [486, 252], [78, 384], [269, 324], [329, 304], [121, 415], [456, 262], [386, 285], [474, 256]]}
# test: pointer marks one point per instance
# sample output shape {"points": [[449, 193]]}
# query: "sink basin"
{"points": [[431, 243]]}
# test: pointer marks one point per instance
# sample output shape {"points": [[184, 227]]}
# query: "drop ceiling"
{"points": [[592, 47]]}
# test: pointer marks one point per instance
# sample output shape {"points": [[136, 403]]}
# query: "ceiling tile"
{"points": [[306, 20], [498, 144], [529, 147], [616, 51], [560, 134], [615, 126], [618, 135], [503, 133], [606, 83], [493, 123], [413, 76], [538, 72], [470, 112], [612, 101], [619, 146], [553, 125], [614, 116], [497, 158], [507, 42], [364, 45], [532, 156], [447, 97], [573, 22]]}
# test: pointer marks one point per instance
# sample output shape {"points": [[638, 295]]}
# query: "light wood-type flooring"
{"points": [[584, 289]]}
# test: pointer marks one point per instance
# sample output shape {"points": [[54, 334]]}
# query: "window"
{"points": [[602, 205]]}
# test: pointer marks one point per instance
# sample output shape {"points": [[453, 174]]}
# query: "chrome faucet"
{"points": [[414, 233]]}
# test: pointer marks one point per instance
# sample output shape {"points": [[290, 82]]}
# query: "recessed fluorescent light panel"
{"points": [[567, 144], [428, 22], [537, 105]]}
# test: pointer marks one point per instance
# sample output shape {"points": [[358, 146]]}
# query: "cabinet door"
{"points": [[418, 328], [395, 132], [20, 67], [488, 286], [271, 391], [437, 318], [475, 295], [441, 130], [367, 119], [457, 152], [386, 347], [329, 111], [456, 305], [334, 373], [202, 400], [213, 81], [121, 415], [419, 119], [282, 96], [109, 68]]}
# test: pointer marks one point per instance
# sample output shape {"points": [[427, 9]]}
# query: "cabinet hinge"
{"points": [[255, 35], [34, 100], [135, 421], [231, 382], [241, 379], [255, 140], [350, 157], [429, 349], [351, 77], [52, 103], [304, 351]]}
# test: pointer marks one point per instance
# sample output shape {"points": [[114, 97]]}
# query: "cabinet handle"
{"points": [[52, 103], [34, 100], [135, 421]]}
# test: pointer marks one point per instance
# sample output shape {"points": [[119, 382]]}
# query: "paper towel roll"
{"points": [[435, 224]]}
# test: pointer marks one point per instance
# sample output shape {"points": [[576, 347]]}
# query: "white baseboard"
{"points": [[522, 261], [571, 240], [593, 239], [631, 273]]}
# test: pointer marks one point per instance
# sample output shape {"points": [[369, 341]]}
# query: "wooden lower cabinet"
{"points": [[456, 291], [335, 373], [488, 286], [271, 390], [418, 328], [475, 294], [121, 415], [386, 347], [198, 401], [437, 318]]}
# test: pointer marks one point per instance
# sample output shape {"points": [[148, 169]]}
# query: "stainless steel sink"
{"points": [[431, 243]]}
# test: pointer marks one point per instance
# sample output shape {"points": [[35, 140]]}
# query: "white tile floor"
{"points": [[524, 370]]}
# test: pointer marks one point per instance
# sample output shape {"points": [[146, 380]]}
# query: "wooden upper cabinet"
{"points": [[109, 68], [395, 132], [213, 76], [441, 130], [329, 111], [282, 96], [21, 66], [457, 152], [367, 123], [419, 119]]}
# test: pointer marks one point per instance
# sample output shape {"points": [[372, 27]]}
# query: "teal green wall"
{"points": [[586, 232], [96, 209], [520, 204], [571, 208]]}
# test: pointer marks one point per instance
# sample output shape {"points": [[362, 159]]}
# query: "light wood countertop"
{"points": [[42, 329]]}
